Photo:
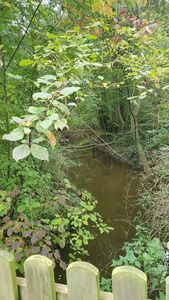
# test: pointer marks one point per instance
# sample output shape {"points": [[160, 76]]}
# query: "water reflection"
{"points": [[114, 185]]}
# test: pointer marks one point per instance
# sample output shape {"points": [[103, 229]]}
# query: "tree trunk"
{"points": [[135, 134], [6, 100], [120, 121]]}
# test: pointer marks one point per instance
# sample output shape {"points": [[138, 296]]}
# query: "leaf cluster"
{"points": [[147, 254]]}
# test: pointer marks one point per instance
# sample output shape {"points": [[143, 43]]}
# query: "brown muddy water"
{"points": [[115, 186]]}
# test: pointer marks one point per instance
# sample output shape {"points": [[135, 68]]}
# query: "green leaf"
{"points": [[45, 123], [69, 90], [60, 124], [13, 136], [35, 204], [26, 62], [39, 128], [41, 95], [93, 218], [29, 119], [36, 110], [72, 104], [46, 79], [53, 117], [6, 4], [56, 222], [39, 152], [46, 221], [38, 140], [91, 37], [96, 64], [21, 152], [16, 120], [18, 77], [35, 3], [101, 77], [27, 130], [51, 36], [61, 107]]}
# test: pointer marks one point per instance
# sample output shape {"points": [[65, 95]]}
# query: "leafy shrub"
{"points": [[5, 203], [106, 284], [147, 254], [23, 238], [42, 216]]}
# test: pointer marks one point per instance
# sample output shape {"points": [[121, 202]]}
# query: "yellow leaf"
{"points": [[97, 6], [105, 85], [107, 10], [141, 2], [27, 123], [51, 138], [7, 4]]}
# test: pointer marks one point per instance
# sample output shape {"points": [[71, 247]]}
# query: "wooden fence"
{"points": [[129, 283]]}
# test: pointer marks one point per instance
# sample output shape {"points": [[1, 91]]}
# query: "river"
{"points": [[115, 186]]}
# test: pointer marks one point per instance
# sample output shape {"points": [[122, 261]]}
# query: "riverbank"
{"points": [[155, 194], [118, 147]]}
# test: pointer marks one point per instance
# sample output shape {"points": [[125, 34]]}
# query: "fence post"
{"points": [[129, 283], [8, 285], [167, 288], [40, 283], [83, 281]]}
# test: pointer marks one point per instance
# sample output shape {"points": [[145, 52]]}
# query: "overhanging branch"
{"points": [[22, 38]]}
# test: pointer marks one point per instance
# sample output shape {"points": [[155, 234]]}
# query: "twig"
{"points": [[22, 38]]}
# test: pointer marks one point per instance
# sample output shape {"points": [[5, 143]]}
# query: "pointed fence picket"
{"points": [[128, 283]]}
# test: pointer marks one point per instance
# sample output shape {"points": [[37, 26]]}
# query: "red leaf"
{"points": [[45, 250], [34, 239]]}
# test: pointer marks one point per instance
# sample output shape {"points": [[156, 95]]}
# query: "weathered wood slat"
{"points": [[21, 282], [40, 284], [129, 283], [8, 285], [167, 288], [61, 291], [83, 281]]}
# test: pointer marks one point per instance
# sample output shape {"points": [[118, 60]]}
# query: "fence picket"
{"points": [[8, 285], [129, 283], [40, 284], [167, 288], [83, 281]]}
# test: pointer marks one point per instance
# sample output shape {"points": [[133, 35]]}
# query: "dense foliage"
{"points": [[49, 221], [146, 253], [40, 211]]}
